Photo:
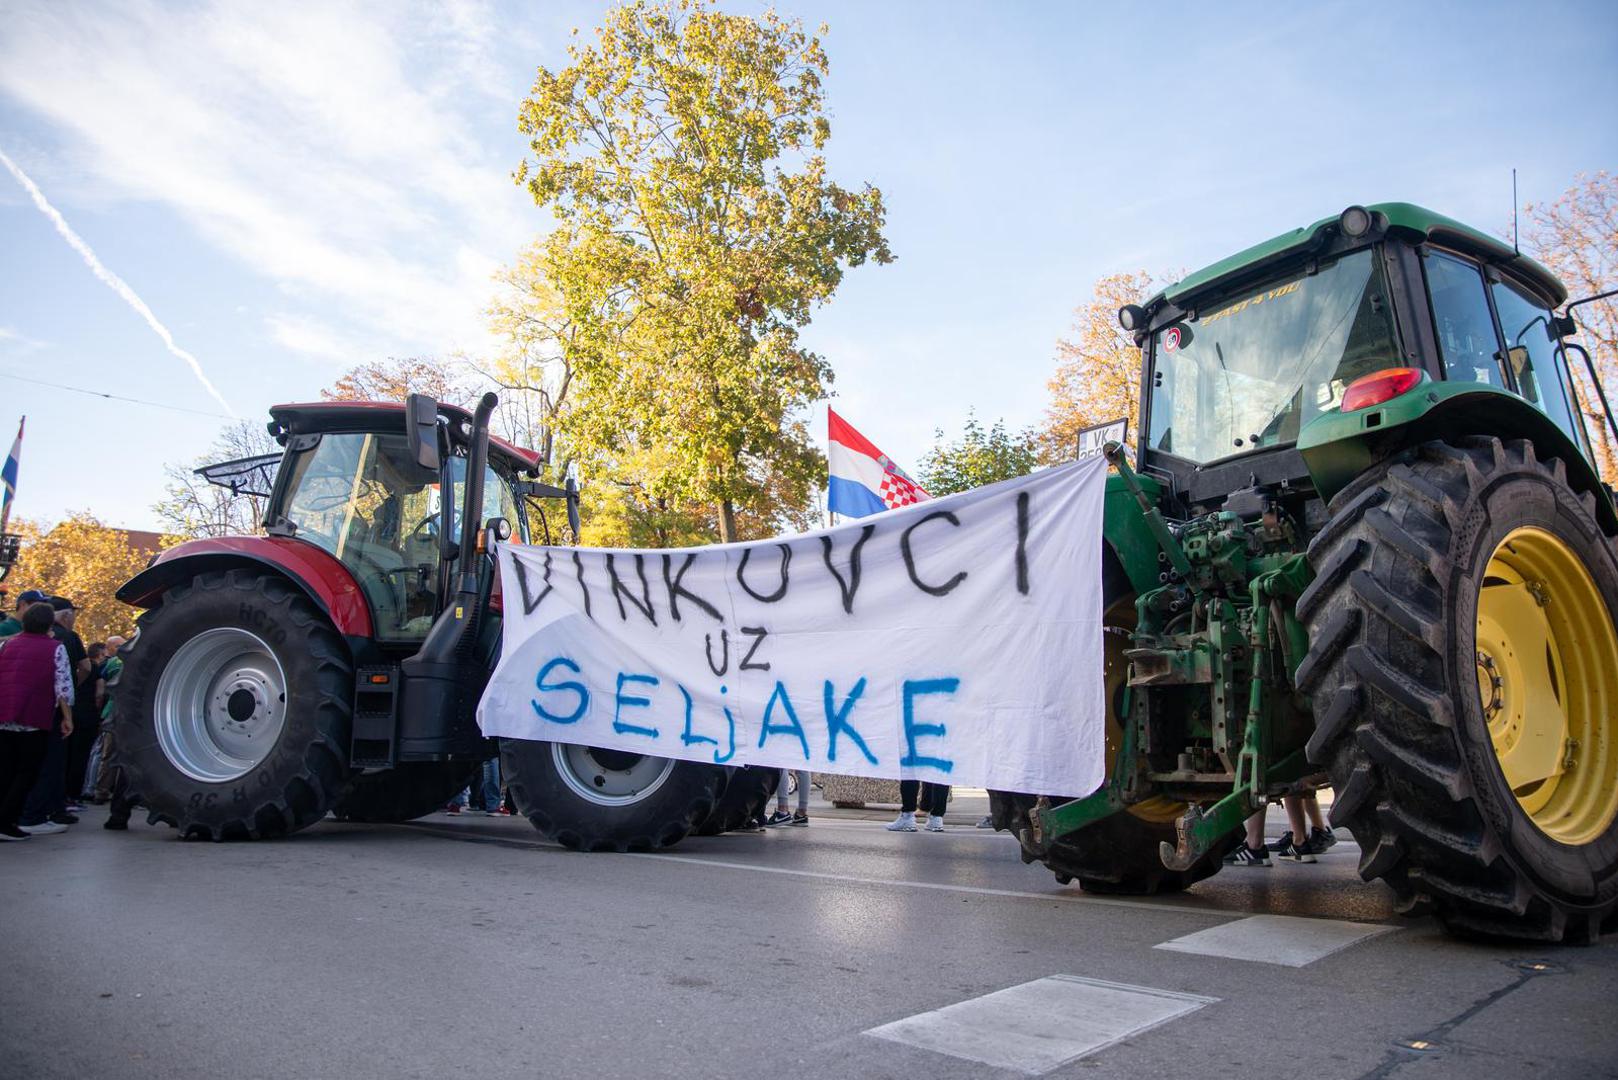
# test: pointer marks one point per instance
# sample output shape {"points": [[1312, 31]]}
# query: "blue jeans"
{"points": [[490, 780], [803, 791]]}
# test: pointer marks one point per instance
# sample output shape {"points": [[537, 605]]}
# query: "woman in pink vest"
{"points": [[34, 683]]}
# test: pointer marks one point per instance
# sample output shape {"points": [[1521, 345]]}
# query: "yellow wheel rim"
{"points": [[1547, 669]]}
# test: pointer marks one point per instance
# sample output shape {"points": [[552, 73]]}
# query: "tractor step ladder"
{"points": [[376, 717]]}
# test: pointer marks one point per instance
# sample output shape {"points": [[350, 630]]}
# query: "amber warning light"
{"points": [[1379, 386]]}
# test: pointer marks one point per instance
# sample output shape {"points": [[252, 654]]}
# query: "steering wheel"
{"points": [[428, 526]]}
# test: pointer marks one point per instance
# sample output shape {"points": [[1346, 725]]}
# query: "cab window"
{"points": [[1533, 356], [1463, 322]]}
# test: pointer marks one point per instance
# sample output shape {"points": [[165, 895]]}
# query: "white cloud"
{"points": [[339, 149], [313, 338]]}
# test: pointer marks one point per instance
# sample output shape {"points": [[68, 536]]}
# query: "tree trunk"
{"points": [[727, 521]]}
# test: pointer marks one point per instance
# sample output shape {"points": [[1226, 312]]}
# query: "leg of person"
{"points": [[46, 799], [490, 774], [781, 816], [21, 755], [801, 816], [906, 821], [1252, 851], [1290, 845], [939, 800], [79, 746], [92, 769], [119, 802], [1320, 834], [109, 748]]}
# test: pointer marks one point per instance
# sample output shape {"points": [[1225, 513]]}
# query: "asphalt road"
{"points": [[468, 948]]}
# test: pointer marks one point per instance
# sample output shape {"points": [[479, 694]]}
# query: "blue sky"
{"points": [[295, 188]]}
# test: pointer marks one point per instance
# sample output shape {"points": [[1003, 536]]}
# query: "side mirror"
{"points": [[1563, 325], [421, 428]]}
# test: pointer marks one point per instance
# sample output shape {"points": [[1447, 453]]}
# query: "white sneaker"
{"points": [[43, 829], [935, 823], [903, 823]]}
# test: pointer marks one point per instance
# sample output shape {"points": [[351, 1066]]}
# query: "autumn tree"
{"points": [[192, 506], [1576, 236], [85, 561], [1097, 375], [696, 231], [978, 456], [396, 378]]}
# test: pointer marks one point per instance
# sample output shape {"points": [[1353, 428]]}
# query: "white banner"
{"points": [[957, 640]]}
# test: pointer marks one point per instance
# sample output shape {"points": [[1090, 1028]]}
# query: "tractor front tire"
{"points": [[750, 787], [232, 715], [1463, 666], [590, 799], [404, 792]]}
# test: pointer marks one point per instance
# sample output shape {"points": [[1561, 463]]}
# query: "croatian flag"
{"points": [[8, 475], [864, 480]]}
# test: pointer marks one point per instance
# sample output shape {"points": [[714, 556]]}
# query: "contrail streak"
{"points": [[111, 280]]}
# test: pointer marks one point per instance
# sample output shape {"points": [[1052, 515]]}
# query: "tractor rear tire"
{"points": [[404, 792], [745, 796], [590, 799], [1450, 570], [232, 715], [1118, 854]]}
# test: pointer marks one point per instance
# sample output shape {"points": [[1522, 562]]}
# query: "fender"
{"points": [[1337, 447], [325, 580], [1127, 539]]}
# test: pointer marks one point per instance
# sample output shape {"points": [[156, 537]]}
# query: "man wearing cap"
{"points": [[12, 624], [47, 802]]}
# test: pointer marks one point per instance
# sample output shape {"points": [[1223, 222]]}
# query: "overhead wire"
{"points": [[114, 397]]}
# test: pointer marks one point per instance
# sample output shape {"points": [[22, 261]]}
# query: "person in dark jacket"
{"points": [[36, 684], [47, 803]]}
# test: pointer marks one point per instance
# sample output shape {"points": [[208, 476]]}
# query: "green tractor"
{"points": [[1363, 543]]}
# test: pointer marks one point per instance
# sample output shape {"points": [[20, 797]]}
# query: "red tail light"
{"points": [[1379, 386]]}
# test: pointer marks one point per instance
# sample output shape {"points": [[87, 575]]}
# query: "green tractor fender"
{"points": [[1337, 446], [1128, 540]]}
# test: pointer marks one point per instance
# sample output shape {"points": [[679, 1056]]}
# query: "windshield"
{"points": [[1256, 367]]}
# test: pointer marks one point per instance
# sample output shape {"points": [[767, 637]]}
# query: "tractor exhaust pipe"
{"points": [[477, 461]]}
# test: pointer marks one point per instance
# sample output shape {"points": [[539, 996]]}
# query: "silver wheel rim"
{"points": [[220, 705], [609, 777]]}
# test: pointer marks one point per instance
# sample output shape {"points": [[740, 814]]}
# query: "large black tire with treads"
{"points": [[232, 714], [404, 792], [750, 787], [590, 799], [1404, 633], [1118, 854]]}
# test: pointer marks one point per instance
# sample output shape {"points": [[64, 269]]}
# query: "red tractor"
{"points": [[334, 664]]}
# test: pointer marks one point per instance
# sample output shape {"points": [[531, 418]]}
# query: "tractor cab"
{"points": [[355, 483], [1258, 361]]}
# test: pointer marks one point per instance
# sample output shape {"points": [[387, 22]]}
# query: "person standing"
{"points": [[937, 800], [48, 801], [799, 816], [36, 691], [87, 692]]}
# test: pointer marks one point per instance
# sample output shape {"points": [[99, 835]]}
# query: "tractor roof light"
{"points": [[1355, 222], [1132, 317], [1378, 387]]}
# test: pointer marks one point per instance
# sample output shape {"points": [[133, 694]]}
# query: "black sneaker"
{"points": [[799, 818], [1321, 839], [11, 832], [65, 818], [116, 824], [1246, 856], [780, 817], [1289, 849]]}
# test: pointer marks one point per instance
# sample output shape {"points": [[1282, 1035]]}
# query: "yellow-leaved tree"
{"points": [[1097, 375], [697, 229], [85, 561]]}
